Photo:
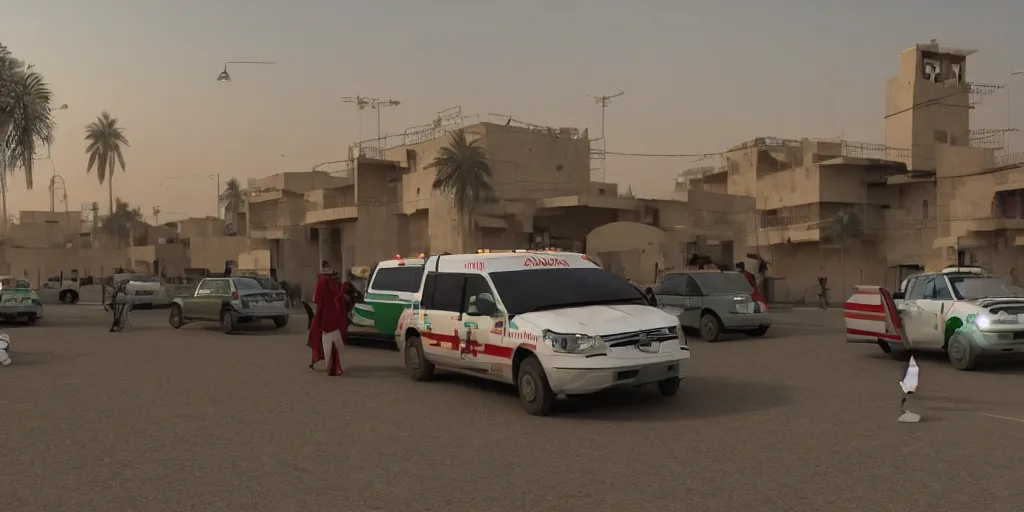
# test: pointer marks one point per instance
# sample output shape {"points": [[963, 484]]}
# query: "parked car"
{"points": [[554, 324], [714, 303], [140, 290], [229, 301], [18, 301], [68, 287], [965, 312]]}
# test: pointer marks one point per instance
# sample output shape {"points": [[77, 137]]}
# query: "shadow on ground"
{"points": [[699, 397]]}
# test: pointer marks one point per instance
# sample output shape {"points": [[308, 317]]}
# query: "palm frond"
{"points": [[106, 141], [27, 121]]}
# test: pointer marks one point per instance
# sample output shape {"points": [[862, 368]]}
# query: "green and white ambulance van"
{"points": [[393, 287]]}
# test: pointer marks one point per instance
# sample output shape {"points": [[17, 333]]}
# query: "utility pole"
{"points": [[604, 101], [361, 102], [156, 215], [378, 105]]}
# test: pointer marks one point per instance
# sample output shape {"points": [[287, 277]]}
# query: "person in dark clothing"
{"points": [[227, 269], [118, 311]]}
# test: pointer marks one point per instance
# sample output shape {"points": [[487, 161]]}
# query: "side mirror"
{"points": [[899, 295], [485, 305]]}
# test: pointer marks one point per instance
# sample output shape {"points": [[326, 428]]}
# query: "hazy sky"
{"points": [[699, 76]]}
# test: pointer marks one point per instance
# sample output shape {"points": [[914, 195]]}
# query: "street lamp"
{"points": [[53, 167], [224, 76]]}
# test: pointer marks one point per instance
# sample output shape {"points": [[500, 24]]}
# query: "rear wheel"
{"points": [[669, 387], [760, 331], [227, 322], [68, 296], [416, 361], [177, 317], [534, 390], [280, 321], [710, 328], [31, 319]]}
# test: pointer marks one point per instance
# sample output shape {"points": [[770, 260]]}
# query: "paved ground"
{"points": [[162, 420]]}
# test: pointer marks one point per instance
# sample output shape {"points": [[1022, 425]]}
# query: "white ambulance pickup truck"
{"points": [[554, 324]]}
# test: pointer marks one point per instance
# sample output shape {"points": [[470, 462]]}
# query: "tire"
{"points": [[710, 327], [535, 393], [177, 317], [227, 322], [68, 296], [669, 387], [280, 321], [760, 331], [961, 353], [31, 319], [416, 363]]}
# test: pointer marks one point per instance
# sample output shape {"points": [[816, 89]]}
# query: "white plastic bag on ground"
{"points": [[5, 346]]}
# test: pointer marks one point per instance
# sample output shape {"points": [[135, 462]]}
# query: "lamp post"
{"points": [[224, 76], [53, 167]]}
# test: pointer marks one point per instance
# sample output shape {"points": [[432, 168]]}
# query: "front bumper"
{"points": [[998, 340], [581, 376], [746, 321], [261, 312], [22, 311]]}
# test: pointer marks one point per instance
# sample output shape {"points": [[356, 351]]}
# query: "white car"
{"points": [[554, 324], [964, 311], [141, 290]]}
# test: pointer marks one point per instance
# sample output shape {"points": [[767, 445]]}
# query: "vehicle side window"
{"points": [[939, 290], [205, 288], [917, 288], [672, 285], [222, 287], [448, 292], [476, 286], [398, 279], [692, 288]]}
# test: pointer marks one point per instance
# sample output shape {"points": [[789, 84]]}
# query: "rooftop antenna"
{"points": [[361, 102], [604, 101], [156, 215]]}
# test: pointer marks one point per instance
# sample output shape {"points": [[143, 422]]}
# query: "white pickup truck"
{"points": [[963, 311]]}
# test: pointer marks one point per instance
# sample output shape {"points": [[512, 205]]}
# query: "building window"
{"points": [[940, 136]]}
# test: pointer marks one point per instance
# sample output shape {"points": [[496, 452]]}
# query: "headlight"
{"points": [[573, 343], [982, 321]]}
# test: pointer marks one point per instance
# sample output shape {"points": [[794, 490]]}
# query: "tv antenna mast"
{"points": [[361, 102], [604, 101], [156, 215]]}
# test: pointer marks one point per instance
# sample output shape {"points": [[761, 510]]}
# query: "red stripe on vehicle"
{"points": [[871, 334], [866, 308], [890, 304], [436, 339], [864, 316]]}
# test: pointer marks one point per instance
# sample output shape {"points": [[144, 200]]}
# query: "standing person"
{"points": [[118, 311], [329, 325], [742, 268], [274, 283]]}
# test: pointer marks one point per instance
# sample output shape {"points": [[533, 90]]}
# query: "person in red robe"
{"points": [[742, 268], [330, 323]]}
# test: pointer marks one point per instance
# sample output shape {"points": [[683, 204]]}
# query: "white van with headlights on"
{"points": [[554, 324]]}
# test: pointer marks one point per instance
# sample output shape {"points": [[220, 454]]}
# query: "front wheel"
{"points": [[961, 353], [669, 387], [534, 391], [280, 321], [416, 361], [68, 296], [177, 318]]}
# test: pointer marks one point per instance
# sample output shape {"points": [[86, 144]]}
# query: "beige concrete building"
{"points": [[933, 189]]}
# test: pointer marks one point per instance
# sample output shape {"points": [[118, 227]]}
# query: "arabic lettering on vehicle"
{"points": [[540, 261], [475, 265]]}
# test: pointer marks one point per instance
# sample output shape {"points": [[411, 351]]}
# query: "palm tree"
{"points": [[121, 223], [106, 140], [25, 119], [463, 173], [231, 199]]}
